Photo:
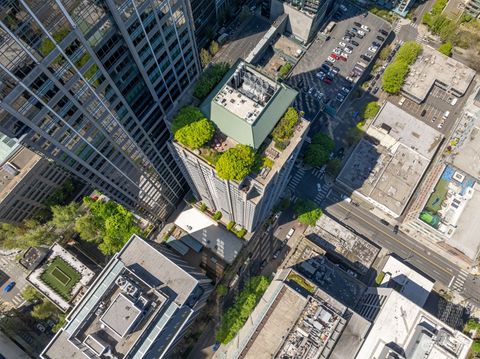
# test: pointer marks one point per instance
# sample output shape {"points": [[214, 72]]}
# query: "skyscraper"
{"points": [[90, 84]]}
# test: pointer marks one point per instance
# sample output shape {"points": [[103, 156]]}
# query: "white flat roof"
{"points": [[210, 234], [416, 287], [397, 323]]}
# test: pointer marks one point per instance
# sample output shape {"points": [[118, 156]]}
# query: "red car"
{"points": [[327, 80], [335, 56], [343, 58]]}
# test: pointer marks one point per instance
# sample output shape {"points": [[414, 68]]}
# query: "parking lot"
{"points": [[315, 86], [433, 109]]}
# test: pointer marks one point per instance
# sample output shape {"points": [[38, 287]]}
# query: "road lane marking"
{"points": [[395, 239], [450, 284]]}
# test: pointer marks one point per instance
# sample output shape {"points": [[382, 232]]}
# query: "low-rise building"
{"points": [[402, 329], [435, 69], [389, 161], [27, 180], [245, 107], [138, 307]]}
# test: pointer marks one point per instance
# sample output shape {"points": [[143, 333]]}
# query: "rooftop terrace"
{"points": [[433, 68]]}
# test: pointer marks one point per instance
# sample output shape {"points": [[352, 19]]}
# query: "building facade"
{"points": [[245, 107], [473, 8], [90, 85], [26, 181], [204, 14]]}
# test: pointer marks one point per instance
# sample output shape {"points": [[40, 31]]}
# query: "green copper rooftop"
{"points": [[246, 105], [7, 147]]}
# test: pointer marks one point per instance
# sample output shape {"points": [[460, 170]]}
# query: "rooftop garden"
{"points": [[235, 163], [395, 73], [302, 282], [236, 316], [191, 128], [61, 277], [209, 79], [285, 128]]}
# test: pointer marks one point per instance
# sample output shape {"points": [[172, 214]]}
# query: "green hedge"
{"points": [[50, 279], [236, 316], [209, 79], [284, 70], [235, 163]]}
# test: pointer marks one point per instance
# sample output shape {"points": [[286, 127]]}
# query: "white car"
{"points": [[365, 27], [330, 59], [349, 79], [446, 114], [342, 44], [440, 125], [453, 101], [360, 32], [290, 233], [347, 50], [337, 51], [320, 75], [402, 100], [373, 49], [344, 54]]}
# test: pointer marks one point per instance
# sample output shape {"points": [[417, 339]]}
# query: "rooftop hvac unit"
{"points": [[121, 281], [11, 169]]}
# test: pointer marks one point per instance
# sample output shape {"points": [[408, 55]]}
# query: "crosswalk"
{"points": [[322, 194], [318, 173], [296, 179], [459, 280], [397, 27]]}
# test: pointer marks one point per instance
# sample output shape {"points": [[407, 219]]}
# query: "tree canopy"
{"points": [[370, 110], [186, 116], [209, 79], [108, 224], [235, 163], [44, 310], [446, 48], [236, 316], [30, 294], [307, 212], [409, 52], [196, 134], [318, 151]]}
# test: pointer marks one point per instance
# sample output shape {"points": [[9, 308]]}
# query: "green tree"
{"points": [[394, 76], [205, 57], [30, 294], [333, 167], [222, 290], [446, 48], [214, 48], [284, 128], [196, 134], [409, 52], [217, 215], [235, 163], [60, 323], [325, 141], [88, 229], [307, 212], [385, 52], [354, 135], [64, 217], [284, 70], [44, 310], [186, 116], [210, 77], [370, 110], [315, 155]]}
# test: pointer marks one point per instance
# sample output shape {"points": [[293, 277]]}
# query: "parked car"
{"points": [[357, 24], [347, 50], [354, 29], [40, 328], [375, 90], [326, 67], [453, 101], [345, 90], [343, 8], [335, 56], [361, 32], [446, 114], [340, 97], [376, 44], [423, 112], [380, 38], [337, 51], [373, 49], [342, 44], [402, 100], [349, 79], [346, 38], [365, 27], [277, 253], [327, 80], [343, 56], [395, 229], [383, 32], [384, 222], [360, 36], [340, 152], [290, 233], [215, 347], [330, 59], [353, 42], [364, 57], [320, 75], [9, 287]]}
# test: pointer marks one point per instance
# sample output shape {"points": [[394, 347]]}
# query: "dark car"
{"points": [[360, 36], [340, 152], [363, 57], [375, 90], [376, 44], [327, 80], [380, 38], [423, 112], [395, 229], [325, 67], [336, 68], [354, 29], [349, 47], [383, 32], [353, 42], [384, 222], [357, 24]]}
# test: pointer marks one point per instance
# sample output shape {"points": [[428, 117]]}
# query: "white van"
{"points": [[290, 233], [446, 114]]}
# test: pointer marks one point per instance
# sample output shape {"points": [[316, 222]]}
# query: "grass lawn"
{"points": [[301, 282], [61, 277], [438, 196]]}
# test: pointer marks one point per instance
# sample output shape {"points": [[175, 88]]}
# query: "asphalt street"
{"points": [[16, 273]]}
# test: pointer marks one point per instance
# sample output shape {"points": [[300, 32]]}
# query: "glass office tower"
{"points": [[90, 83]]}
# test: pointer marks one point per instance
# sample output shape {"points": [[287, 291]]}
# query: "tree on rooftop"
{"points": [[307, 212], [284, 128], [209, 78], [196, 134], [235, 163], [186, 116], [205, 57]]}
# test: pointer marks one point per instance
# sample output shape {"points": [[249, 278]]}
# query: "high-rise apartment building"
{"points": [[27, 180], [90, 84], [245, 108], [204, 13]]}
